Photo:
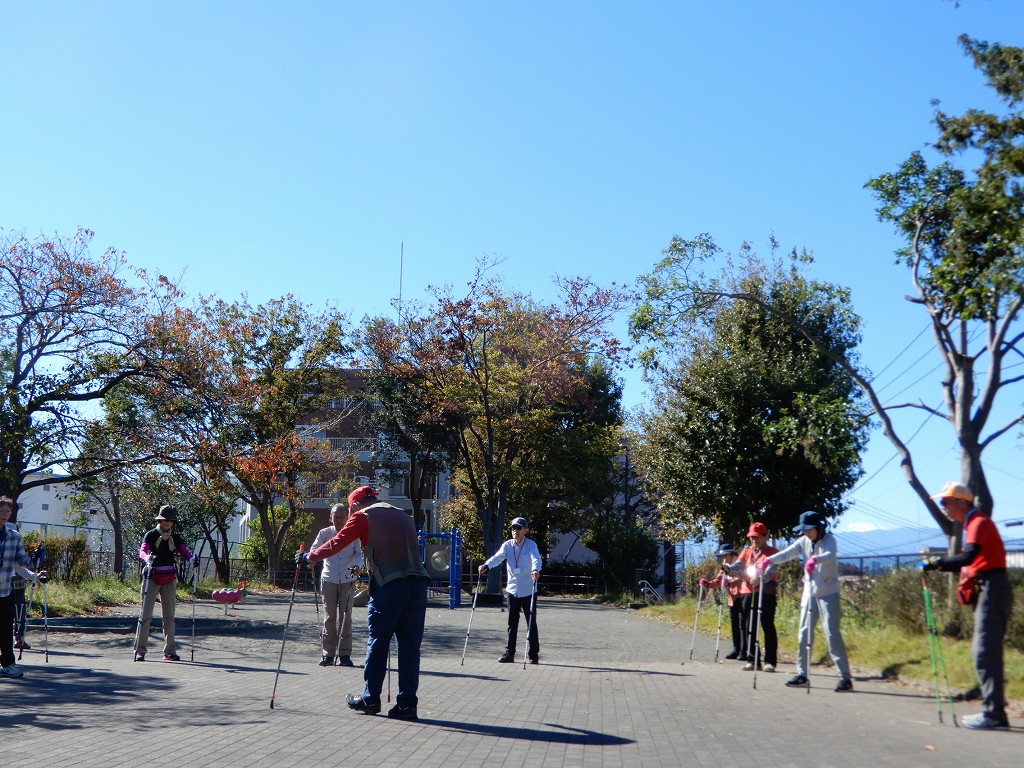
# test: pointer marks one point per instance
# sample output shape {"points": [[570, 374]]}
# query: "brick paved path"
{"points": [[610, 691]]}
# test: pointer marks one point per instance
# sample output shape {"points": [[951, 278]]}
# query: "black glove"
{"points": [[195, 561], [301, 558], [43, 578], [930, 564]]}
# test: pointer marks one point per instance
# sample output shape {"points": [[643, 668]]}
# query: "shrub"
{"points": [[67, 557]]}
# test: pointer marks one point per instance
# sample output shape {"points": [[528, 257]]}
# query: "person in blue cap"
{"points": [[727, 555], [820, 596]]}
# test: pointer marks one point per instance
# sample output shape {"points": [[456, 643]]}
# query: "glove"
{"points": [[195, 561], [703, 582], [809, 564], [762, 565], [150, 560], [301, 558], [930, 564], [354, 570], [43, 578]]}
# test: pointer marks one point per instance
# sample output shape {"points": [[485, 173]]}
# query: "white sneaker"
{"points": [[11, 671], [769, 667], [983, 722]]}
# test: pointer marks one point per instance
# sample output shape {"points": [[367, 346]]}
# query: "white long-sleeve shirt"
{"points": [[338, 567], [824, 580], [520, 563]]}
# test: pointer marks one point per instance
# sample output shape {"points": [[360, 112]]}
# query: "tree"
{"points": [[965, 254], [492, 366], [280, 366], [74, 327], [751, 422]]}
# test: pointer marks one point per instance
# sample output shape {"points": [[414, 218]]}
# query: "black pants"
{"points": [[766, 622], [515, 605], [736, 619], [7, 630]]}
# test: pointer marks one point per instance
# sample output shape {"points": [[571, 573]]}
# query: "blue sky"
{"points": [[268, 148]]}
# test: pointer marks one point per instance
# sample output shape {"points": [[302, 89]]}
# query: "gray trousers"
{"points": [[830, 610], [168, 594], [991, 618], [336, 638]]}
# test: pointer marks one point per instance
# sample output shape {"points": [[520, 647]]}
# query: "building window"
{"points": [[46, 507], [46, 488]]}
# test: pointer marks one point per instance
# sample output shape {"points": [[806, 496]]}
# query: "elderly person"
{"points": [[398, 597], [522, 566], [750, 588], [337, 579], [985, 586], [13, 559], [820, 596]]}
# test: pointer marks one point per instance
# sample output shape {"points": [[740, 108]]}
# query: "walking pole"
{"points": [[20, 620], [696, 618], [471, 612], [935, 649], [809, 618], [720, 598], [529, 623], [142, 608], [46, 628], [755, 642], [288, 618], [195, 585], [389, 670]]}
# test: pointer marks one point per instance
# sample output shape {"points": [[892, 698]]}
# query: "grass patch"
{"points": [[874, 647]]}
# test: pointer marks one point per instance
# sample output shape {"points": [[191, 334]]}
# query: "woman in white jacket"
{"points": [[820, 596]]}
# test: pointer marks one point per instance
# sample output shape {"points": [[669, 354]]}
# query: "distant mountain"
{"points": [[898, 541]]}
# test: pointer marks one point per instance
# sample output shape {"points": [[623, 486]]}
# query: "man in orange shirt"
{"points": [[983, 559]]}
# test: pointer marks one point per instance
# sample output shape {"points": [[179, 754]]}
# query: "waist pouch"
{"points": [[967, 592]]}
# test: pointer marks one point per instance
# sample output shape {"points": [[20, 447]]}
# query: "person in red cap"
{"points": [[746, 567], [985, 585], [398, 597]]}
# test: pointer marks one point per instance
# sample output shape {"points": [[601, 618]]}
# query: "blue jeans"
{"points": [[398, 609]]}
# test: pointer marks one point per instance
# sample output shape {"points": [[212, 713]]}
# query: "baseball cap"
{"points": [[757, 529], [810, 520], [725, 550], [361, 493], [955, 491], [520, 521]]}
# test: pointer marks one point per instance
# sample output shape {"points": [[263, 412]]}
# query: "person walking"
{"points": [[337, 583], [159, 546], [755, 615], [13, 560], [522, 566], [398, 597], [985, 586], [819, 549], [727, 555]]}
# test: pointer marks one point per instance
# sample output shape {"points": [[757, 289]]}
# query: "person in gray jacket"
{"points": [[820, 596]]}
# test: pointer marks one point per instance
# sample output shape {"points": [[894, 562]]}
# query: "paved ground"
{"points": [[612, 689]]}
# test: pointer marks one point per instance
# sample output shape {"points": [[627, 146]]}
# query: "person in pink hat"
{"points": [[752, 555], [984, 585]]}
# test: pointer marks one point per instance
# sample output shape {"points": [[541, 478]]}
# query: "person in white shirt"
{"points": [[337, 584], [522, 562]]}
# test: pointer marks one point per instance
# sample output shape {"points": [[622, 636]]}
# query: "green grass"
{"points": [[879, 649], [95, 596]]}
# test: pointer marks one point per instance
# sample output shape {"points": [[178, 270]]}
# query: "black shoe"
{"points": [[846, 684], [359, 704], [733, 655], [345, 661], [534, 660], [506, 659], [140, 657], [402, 713], [798, 681], [172, 657], [327, 661]]}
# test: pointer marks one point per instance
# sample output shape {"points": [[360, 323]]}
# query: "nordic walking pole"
{"points": [[757, 627], [20, 620], [142, 608], [935, 649], [389, 670], [721, 602], [529, 623], [46, 627], [809, 618], [471, 612], [696, 618], [288, 618], [195, 586]]}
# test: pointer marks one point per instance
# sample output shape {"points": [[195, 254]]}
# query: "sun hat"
{"points": [[167, 512]]}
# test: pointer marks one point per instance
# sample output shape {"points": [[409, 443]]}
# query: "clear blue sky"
{"points": [[292, 147]]}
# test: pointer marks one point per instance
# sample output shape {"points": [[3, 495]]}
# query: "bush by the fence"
{"points": [[67, 557]]}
